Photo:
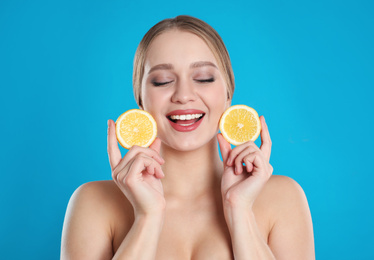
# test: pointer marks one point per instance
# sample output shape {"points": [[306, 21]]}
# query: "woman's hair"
{"points": [[188, 24]]}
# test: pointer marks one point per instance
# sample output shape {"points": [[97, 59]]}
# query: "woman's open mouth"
{"points": [[185, 120]]}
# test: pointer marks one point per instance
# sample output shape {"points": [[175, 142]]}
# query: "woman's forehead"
{"points": [[179, 48]]}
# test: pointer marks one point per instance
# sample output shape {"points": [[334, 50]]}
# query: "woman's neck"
{"points": [[191, 174]]}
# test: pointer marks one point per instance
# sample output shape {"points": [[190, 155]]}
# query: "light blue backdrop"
{"points": [[66, 67]]}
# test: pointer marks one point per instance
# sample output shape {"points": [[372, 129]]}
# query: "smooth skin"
{"points": [[177, 199]]}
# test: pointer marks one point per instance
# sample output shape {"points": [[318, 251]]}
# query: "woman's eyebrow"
{"points": [[202, 64], [168, 66], [165, 66]]}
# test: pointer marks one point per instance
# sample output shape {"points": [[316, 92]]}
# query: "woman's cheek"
{"points": [[218, 99], [150, 98]]}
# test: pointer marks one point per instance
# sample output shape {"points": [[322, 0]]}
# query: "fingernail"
{"points": [[229, 162], [108, 123]]}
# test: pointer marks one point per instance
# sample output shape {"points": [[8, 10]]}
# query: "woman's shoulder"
{"points": [[97, 188], [94, 208], [103, 198], [282, 193], [284, 185], [283, 201], [101, 191], [289, 219]]}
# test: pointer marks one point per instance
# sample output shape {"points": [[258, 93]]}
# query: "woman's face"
{"points": [[183, 89]]}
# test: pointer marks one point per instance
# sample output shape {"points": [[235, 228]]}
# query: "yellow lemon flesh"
{"points": [[240, 124], [136, 127]]}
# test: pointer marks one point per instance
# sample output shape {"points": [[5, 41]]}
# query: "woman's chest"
{"points": [[196, 235]]}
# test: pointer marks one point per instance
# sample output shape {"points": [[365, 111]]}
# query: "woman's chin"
{"points": [[187, 144]]}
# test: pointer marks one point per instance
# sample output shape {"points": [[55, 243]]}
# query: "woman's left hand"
{"points": [[241, 184]]}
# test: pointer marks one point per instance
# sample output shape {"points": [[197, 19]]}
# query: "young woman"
{"points": [[177, 199]]}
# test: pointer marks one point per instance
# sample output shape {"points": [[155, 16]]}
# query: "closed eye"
{"points": [[157, 84], [205, 80]]}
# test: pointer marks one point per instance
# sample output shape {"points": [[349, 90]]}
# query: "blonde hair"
{"points": [[192, 25]]}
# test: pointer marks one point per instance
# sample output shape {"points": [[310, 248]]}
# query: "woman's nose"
{"points": [[183, 93]]}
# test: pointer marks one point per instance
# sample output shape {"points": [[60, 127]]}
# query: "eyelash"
{"points": [[206, 80], [157, 84]]}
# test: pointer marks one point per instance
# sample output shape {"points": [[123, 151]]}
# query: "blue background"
{"points": [[66, 67]]}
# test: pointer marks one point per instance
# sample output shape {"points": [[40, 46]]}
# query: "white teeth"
{"points": [[186, 124], [186, 117]]}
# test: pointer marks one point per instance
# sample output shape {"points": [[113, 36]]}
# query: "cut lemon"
{"points": [[240, 124], [136, 127]]}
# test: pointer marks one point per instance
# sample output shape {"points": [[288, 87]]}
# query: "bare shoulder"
{"points": [[102, 196], [100, 190], [277, 195], [291, 229], [283, 187], [91, 218], [283, 194]]}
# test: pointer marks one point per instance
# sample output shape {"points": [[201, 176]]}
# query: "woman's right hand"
{"points": [[138, 174]]}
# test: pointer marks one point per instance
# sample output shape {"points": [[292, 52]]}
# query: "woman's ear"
{"points": [[140, 104], [228, 103]]}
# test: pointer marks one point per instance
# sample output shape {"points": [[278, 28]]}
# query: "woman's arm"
{"points": [[245, 180], [138, 176], [291, 235], [88, 230], [247, 241], [142, 240]]}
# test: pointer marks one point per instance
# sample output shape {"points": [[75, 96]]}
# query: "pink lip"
{"points": [[188, 128]]}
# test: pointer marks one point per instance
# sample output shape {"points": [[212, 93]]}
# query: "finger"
{"points": [[159, 174], [255, 159], [114, 153], [151, 169], [249, 166], [119, 174], [265, 138], [140, 164], [224, 147], [156, 145], [155, 169], [237, 150], [137, 150], [139, 159], [239, 160]]}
